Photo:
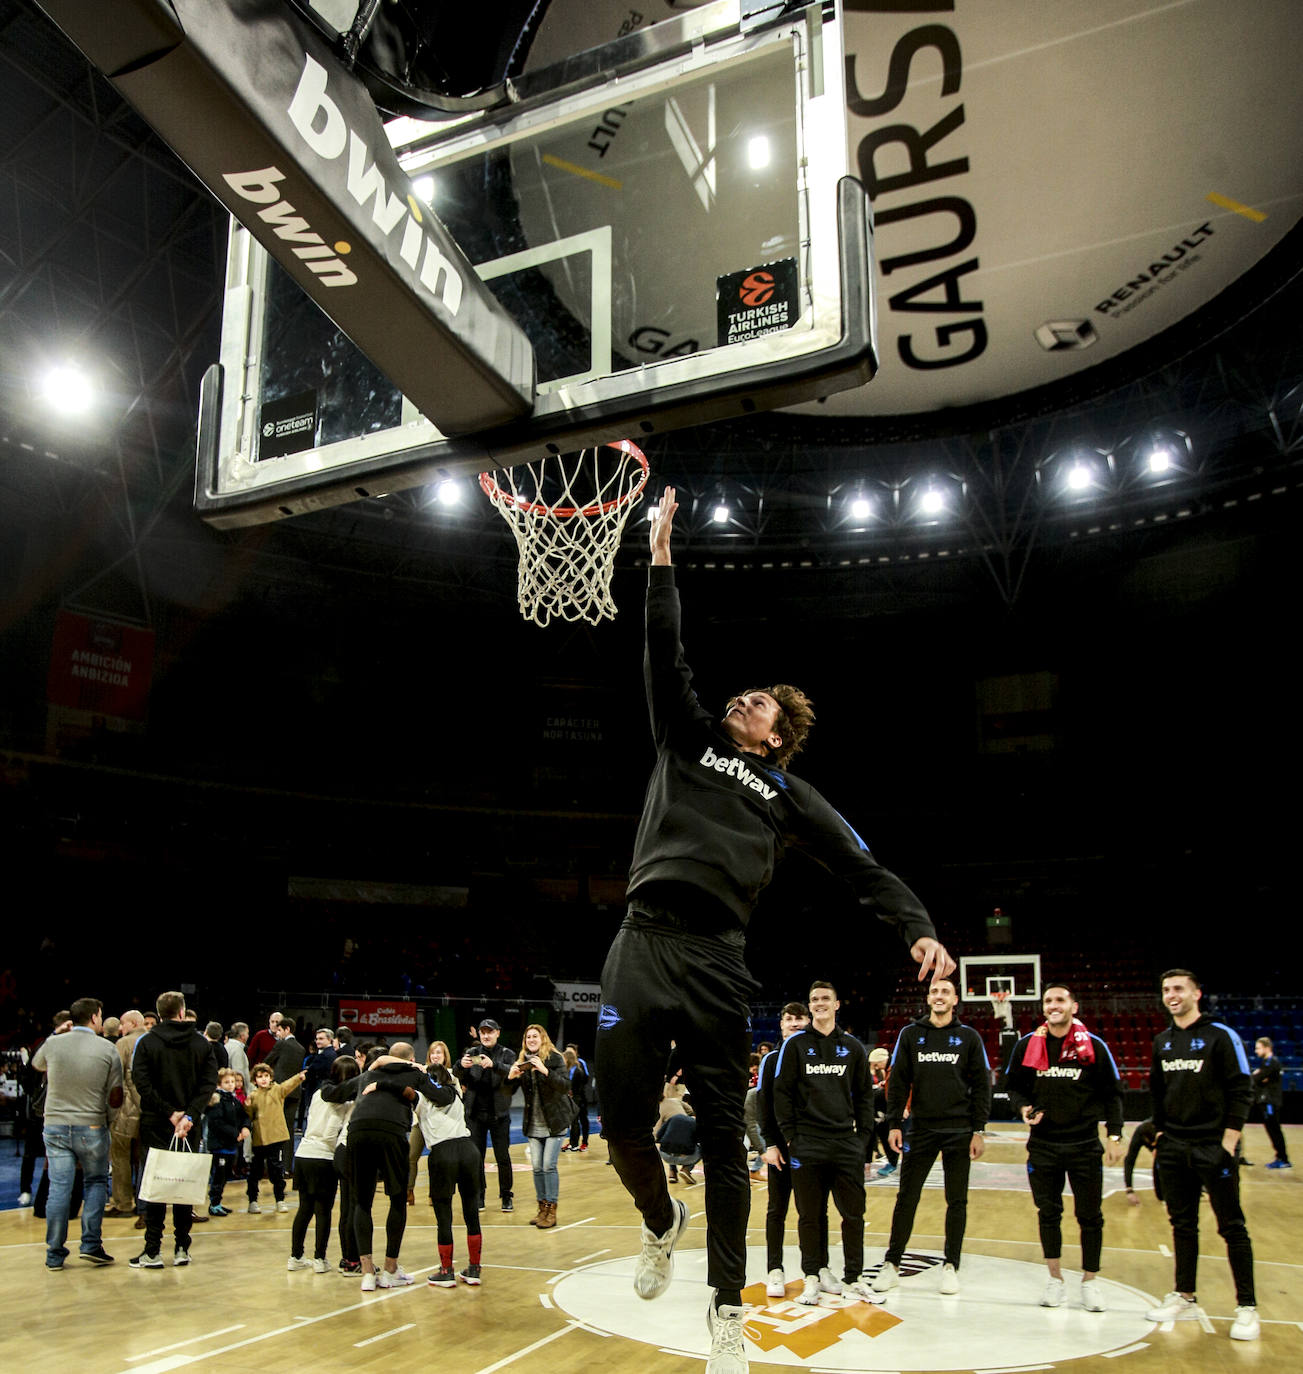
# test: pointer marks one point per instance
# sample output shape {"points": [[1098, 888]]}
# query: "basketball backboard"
{"points": [[981, 976], [667, 219]]}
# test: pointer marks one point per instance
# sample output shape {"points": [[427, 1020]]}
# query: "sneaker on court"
{"points": [[1053, 1295], [24, 1199], [887, 1278], [400, 1278], [1280, 1164], [728, 1354], [180, 1257], [471, 1275], [886, 1171], [350, 1268], [775, 1284], [583, 1147], [1092, 1296], [253, 1209], [444, 1278], [507, 1205], [219, 1211], [100, 1256], [145, 1260], [829, 1283], [1173, 1308], [282, 1206], [654, 1267], [860, 1291], [1245, 1326], [297, 1263], [949, 1279], [319, 1266], [809, 1294], [368, 1283]]}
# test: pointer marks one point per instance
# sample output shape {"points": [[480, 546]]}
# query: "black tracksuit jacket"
{"points": [[822, 1091], [943, 1074], [717, 820], [386, 1110], [1075, 1097], [1199, 1080]]}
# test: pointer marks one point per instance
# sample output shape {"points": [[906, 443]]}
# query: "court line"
{"points": [[176, 1345], [1013, 1369], [544, 1300], [1164, 1251], [529, 1349], [556, 1230], [383, 1336], [584, 1258], [1126, 1350]]}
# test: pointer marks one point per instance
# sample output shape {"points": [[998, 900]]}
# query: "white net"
{"points": [[568, 512]]}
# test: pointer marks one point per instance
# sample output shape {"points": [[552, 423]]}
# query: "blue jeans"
{"points": [[65, 1146], [544, 1151]]}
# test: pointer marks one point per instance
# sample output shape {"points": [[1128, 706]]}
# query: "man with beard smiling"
{"points": [[1063, 1082]]}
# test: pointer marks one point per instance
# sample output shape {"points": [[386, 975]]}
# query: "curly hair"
{"points": [[795, 717]]}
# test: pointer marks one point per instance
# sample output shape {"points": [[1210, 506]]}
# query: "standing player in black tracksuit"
{"points": [[823, 1101], [940, 1071], [1202, 1093], [720, 812], [794, 1018], [1268, 1093], [1063, 1082]]}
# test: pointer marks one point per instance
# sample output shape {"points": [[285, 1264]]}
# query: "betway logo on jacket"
{"points": [[321, 124], [836, 1069], [735, 768], [1058, 1071], [1194, 1065], [936, 1057]]}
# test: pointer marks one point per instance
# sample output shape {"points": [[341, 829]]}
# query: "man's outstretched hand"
{"points": [[661, 528], [933, 958]]}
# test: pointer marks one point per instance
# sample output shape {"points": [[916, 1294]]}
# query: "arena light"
{"points": [[720, 514], [758, 152], [1078, 478], [1160, 459], [67, 389], [423, 187], [861, 508], [933, 501], [448, 493]]}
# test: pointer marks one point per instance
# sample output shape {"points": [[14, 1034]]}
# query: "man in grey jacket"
{"points": [[83, 1097]]}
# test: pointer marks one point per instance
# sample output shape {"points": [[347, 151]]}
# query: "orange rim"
{"points": [[495, 493]]}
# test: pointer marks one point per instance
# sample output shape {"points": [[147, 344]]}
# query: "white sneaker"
{"points": [[1245, 1326], [319, 1266], [1173, 1308], [24, 1199], [400, 1278], [1092, 1296], [949, 1279], [809, 1294], [776, 1284], [859, 1291], [282, 1206], [728, 1354], [887, 1278], [654, 1267], [828, 1283], [253, 1209], [1053, 1295], [294, 1265], [368, 1283]]}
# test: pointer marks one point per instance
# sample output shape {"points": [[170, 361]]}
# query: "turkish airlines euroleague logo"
{"points": [[757, 300], [756, 289]]}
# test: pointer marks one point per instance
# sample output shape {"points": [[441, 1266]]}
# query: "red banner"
{"points": [[100, 666], [390, 1018]]}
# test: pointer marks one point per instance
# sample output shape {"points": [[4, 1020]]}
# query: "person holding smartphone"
{"points": [[545, 1083], [482, 1071]]}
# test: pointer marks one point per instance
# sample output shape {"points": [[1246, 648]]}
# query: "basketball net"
{"points": [[567, 512]]}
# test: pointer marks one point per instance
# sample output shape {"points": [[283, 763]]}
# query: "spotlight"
{"points": [[424, 189], [1160, 459], [652, 513], [861, 508], [932, 502], [1078, 477], [720, 514], [68, 389], [758, 152], [448, 493]]}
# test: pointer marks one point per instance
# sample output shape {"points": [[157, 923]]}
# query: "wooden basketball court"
{"points": [[561, 1299]]}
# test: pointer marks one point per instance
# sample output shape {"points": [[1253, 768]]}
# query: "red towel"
{"points": [[1077, 1046]]}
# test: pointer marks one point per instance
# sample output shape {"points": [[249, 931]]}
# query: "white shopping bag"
{"points": [[176, 1174]]}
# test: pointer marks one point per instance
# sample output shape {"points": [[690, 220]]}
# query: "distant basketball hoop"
{"points": [[567, 512]]}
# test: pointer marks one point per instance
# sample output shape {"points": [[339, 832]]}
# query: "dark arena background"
{"points": [[326, 760]]}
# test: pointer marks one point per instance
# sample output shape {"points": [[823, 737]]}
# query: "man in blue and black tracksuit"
{"points": [[793, 1018], [720, 812], [823, 1102], [1268, 1094], [940, 1072], [1199, 1080], [1063, 1082]]}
